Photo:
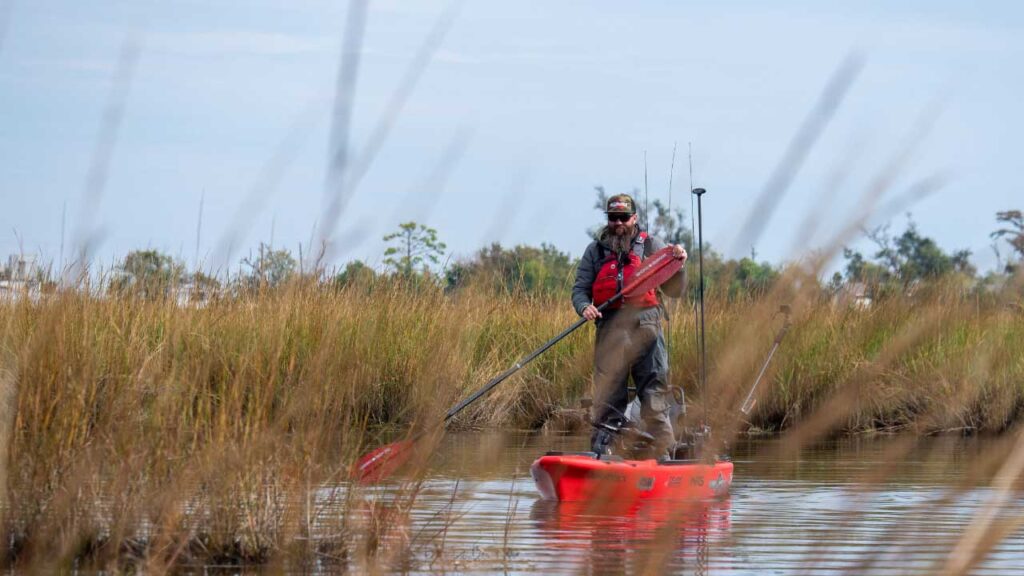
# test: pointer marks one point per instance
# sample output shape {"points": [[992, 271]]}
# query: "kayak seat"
{"points": [[686, 461], [610, 458], [559, 453]]}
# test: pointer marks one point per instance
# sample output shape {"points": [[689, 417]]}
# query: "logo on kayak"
{"points": [[606, 476], [718, 483], [645, 483]]}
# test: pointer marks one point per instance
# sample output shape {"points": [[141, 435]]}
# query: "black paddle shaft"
{"points": [[526, 360]]}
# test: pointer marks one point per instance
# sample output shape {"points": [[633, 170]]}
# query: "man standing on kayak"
{"points": [[629, 338]]}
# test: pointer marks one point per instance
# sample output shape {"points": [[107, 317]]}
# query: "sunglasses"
{"points": [[619, 217]]}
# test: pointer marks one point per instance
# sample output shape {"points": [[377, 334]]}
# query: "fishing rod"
{"points": [[647, 213], [653, 272], [671, 173], [668, 317]]}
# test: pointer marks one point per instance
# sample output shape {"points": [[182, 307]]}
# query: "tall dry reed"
{"points": [[144, 433]]}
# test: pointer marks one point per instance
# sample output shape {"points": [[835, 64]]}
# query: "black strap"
{"points": [[641, 250]]}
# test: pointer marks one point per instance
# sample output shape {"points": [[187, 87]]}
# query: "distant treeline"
{"points": [[414, 255]]}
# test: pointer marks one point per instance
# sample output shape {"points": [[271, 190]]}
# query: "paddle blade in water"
{"points": [[653, 272], [381, 462]]}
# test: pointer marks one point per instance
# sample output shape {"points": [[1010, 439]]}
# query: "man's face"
{"points": [[621, 227]]}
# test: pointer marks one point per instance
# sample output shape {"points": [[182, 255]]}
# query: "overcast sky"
{"points": [[524, 107]]}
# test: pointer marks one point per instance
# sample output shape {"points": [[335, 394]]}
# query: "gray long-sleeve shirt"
{"points": [[590, 265]]}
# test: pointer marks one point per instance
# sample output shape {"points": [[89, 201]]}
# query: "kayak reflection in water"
{"points": [[629, 339], [644, 537]]}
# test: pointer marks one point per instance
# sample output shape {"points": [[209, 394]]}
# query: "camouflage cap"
{"points": [[620, 204]]}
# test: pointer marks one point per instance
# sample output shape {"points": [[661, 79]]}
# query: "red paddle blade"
{"points": [[653, 272], [381, 462]]}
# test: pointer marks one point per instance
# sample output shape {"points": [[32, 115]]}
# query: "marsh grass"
{"points": [[143, 434]]}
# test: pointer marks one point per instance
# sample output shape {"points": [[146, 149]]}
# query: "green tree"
{"points": [[919, 257], [147, 273], [748, 277], [859, 269], [523, 268], [962, 264], [668, 225], [354, 272], [413, 246], [204, 281], [907, 258], [1012, 231], [269, 268]]}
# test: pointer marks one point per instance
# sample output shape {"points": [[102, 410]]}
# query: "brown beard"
{"points": [[620, 243]]}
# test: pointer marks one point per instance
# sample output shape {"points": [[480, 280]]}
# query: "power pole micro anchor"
{"points": [[703, 373]]}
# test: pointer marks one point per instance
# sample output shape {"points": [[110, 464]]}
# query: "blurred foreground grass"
{"points": [[143, 433]]}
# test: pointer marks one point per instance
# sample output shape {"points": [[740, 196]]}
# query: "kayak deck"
{"points": [[570, 477]]}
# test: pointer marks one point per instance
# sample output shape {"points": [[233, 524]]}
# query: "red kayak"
{"points": [[571, 477]]}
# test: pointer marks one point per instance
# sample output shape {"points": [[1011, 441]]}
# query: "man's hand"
{"points": [[591, 312], [678, 252]]}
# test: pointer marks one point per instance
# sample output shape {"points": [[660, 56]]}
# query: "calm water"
{"points": [[864, 506]]}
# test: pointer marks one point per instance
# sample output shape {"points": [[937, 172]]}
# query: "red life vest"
{"points": [[612, 277]]}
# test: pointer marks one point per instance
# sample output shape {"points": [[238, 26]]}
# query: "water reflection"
{"points": [[844, 507], [644, 537]]}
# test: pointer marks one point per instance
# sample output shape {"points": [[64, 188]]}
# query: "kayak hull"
{"points": [[584, 477]]}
